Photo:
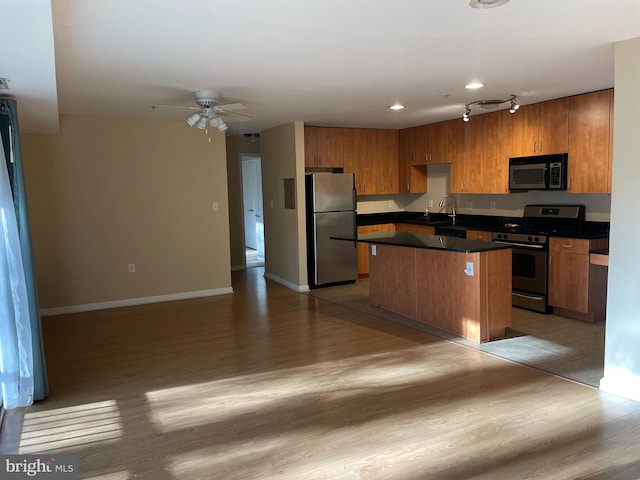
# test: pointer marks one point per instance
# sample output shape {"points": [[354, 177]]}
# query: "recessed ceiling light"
{"points": [[486, 3], [474, 85], [397, 106]]}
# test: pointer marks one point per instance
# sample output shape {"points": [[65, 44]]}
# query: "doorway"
{"points": [[252, 210]]}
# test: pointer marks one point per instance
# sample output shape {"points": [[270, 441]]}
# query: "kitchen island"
{"points": [[455, 284]]}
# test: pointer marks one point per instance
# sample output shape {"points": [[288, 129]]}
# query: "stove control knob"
{"points": [[537, 239], [499, 236], [530, 238]]}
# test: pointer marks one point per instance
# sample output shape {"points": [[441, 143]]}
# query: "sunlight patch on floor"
{"points": [[64, 429], [249, 394]]}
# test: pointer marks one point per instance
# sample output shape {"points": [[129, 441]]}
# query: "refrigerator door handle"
{"points": [[355, 229]]}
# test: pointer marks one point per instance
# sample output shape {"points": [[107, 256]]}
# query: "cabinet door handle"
{"points": [[550, 259], [534, 147], [540, 150], [567, 246]]}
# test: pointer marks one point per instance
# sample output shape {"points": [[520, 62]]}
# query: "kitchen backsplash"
{"points": [[597, 206]]}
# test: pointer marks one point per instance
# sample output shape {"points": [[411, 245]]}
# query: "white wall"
{"points": [[622, 347]]}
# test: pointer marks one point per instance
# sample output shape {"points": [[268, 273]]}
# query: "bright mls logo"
{"points": [[58, 467]]}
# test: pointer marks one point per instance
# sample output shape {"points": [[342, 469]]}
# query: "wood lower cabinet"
{"points": [[479, 235], [569, 291], [415, 228], [363, 253], [590, 142]]}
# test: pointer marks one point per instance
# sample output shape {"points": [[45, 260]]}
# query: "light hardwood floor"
{"points": [[267, 383]]}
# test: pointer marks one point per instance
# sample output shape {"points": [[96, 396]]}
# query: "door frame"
{"points": [[242, 158]]}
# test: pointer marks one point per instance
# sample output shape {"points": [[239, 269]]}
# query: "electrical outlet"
{"points": [[430, 203], [390, 203], [132, 268], [492, 205], [216, 206]]}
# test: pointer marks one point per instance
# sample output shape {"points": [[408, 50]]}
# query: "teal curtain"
{"points": [[13, 159]]}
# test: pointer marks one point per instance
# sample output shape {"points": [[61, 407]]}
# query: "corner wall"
{"points": [[282, 150], [108, 192], [622, 335]]}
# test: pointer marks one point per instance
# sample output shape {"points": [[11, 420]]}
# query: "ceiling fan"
{"points": [[210, 112]]}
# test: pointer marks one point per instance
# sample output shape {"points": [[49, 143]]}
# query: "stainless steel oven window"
{"points": [[529, 270]]}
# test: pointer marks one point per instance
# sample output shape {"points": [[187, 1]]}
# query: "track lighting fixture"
{"points": [[514, 105], [489, 104], [467, 111]]}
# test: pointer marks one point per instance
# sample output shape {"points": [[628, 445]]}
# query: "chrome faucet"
{"points": [[453, 204]]}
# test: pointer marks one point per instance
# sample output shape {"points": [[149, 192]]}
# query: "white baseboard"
{"points": [[621, 384], [286, 283], [134, 301]]}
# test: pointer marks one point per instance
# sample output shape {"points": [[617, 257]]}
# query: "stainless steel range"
{"points": [[529, 237]]}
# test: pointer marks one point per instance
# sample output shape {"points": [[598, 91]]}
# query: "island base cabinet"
{"points": [[392, 278], [439, 288], [474, 303]]}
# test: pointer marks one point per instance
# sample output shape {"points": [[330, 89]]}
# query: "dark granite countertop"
{"points": [[585, 229], [418, 240]]}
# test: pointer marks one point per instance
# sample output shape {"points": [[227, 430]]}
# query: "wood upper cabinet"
{"points": [[323, 147], [441, 142], [569, 275], [369, 181], [497, 131], [482, 165], [467, 163], [352, 147], [389, 162], [590, 146], [412, 177], [541, 128], [372, 155]]}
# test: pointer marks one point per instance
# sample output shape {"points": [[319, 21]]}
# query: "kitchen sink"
{"points": [[450, 231]]}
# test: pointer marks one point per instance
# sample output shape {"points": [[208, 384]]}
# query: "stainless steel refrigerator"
{"points": [[331, 211]]}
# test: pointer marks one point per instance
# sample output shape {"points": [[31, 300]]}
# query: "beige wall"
{"points": [[282, 151], [106, 192], [237, 146]]}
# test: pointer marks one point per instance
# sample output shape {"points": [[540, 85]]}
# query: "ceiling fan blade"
{"points": [[174, 106], [232, 106], [233, 117]]}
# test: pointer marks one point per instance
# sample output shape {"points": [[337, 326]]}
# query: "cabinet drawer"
{"points": [[576, 245], [479, 235], [569, 245]]}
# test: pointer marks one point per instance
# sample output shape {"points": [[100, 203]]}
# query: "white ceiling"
{"points": [[327, 62]]}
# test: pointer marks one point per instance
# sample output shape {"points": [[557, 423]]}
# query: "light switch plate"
{"points": [[469, 270]]}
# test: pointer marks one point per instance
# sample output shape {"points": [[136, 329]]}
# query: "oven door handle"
{"points": [[531, 297], [524, 245]]}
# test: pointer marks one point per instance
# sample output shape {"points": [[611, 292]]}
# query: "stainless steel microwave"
{"points": [[542, 172]]}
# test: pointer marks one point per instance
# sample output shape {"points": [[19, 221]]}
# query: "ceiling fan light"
{"points": [[193, 119], [222, 127], [214, 122], [202, 123]]}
